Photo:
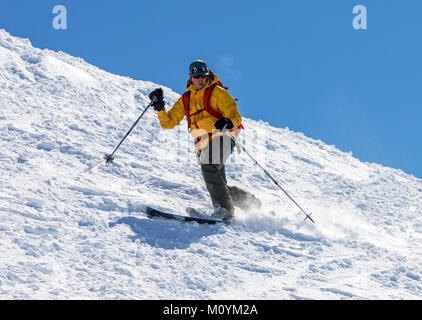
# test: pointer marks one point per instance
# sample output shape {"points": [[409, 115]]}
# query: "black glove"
{"points": [[225, 123], [157, 99]]}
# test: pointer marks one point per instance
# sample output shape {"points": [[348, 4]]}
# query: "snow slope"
{"points": [[71, 226]]}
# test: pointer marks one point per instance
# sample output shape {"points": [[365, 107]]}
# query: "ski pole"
{"points": [[308, 216], [109, 157]]}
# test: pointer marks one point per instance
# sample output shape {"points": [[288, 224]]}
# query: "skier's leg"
{"points": [[215, 180], [243, 199], [212, 160]]}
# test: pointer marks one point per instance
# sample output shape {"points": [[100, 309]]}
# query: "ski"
{"points": [[157, 214]]}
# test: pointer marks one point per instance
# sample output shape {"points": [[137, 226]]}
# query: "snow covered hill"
{"points": [[71, 226]]}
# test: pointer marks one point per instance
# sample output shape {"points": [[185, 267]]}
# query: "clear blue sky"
{"points": [[293, 63]]}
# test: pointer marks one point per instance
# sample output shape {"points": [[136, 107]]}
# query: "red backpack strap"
{"points": [[186, 98], [207, 98]]}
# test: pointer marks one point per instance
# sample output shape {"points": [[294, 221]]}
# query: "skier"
{"points": [[211, 112]]}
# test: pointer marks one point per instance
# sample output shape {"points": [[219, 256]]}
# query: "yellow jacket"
{"points": [[202, 123]]}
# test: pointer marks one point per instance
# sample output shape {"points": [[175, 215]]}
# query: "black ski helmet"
{"points": [[198, 68]]}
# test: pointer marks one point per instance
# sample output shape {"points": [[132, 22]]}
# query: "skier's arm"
{"points": [[227, 106], [170, 119]]}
